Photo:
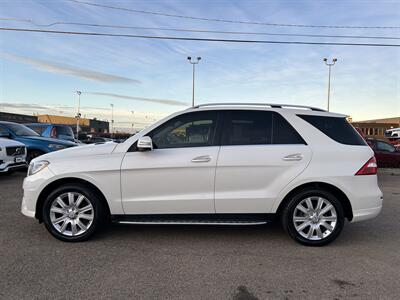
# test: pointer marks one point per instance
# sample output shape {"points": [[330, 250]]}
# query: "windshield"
{"points": [[21, 130]]}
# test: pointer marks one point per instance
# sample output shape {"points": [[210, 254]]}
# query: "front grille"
{"points": [[14, 151]]}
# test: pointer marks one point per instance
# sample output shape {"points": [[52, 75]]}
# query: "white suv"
{"points": [[235, 164], [12, 155]]}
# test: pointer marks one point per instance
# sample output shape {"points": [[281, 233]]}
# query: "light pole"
{"points": [[194, 63], [132, 121], [112, 120], [334, 60], [78, 114]]}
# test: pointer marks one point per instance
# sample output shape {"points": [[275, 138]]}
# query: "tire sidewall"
{"points": [[92, 198], [287, 217]]}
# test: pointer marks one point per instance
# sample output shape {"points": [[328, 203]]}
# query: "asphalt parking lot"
{"points": [[206, 262]]}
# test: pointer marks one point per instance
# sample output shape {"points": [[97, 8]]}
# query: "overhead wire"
{"points": [[194, 38], [229, 21], [198, 30]]}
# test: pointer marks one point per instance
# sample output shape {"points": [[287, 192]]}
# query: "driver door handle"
{"points": [[293, 157], [203, 158]]}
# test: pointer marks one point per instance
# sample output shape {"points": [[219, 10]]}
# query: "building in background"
{"points": [[85, 125], [17, 118], [376, 128]]}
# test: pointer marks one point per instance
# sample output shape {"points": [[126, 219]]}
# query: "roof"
{"points": [[303, 109]]}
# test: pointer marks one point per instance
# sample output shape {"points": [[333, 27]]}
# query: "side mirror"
{"points": [[145, 143]]}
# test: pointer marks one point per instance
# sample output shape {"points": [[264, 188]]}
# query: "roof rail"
{"points": [[272, 105]]}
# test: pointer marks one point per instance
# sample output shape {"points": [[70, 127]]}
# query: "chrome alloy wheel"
{"points": [[71, 214], [314, 218]]}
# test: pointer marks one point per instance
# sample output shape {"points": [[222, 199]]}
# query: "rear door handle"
{"points": [[203, 158], [293, 157]]}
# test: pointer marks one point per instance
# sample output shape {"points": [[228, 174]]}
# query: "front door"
{"points": [[178, 175]]}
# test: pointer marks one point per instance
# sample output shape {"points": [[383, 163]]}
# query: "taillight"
{"points": [[370, 167]]}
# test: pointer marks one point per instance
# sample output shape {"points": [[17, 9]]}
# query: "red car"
{"points": [[386, 154]]}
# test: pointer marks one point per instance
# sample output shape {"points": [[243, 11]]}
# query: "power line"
{"points": [[199, 30], [232, 21], [196, 39]]}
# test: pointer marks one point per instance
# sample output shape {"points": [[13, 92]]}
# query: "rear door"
{"points": [[260, 154]]}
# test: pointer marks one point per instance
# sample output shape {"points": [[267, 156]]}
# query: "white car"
{"points": [[12, 155], [235, 164]]}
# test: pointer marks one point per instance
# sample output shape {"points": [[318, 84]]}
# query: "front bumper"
{"points": [[33, 186], [13, 167]]}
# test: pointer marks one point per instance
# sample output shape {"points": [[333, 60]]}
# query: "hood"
{"points": [[47, 140], [86, 150], [10, 143]]}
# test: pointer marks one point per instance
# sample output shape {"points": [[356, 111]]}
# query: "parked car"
{"points": [[386, 154], [213, 164], [12, 155], [35, 144], [392, 133], [98, 139], [55, 131]]}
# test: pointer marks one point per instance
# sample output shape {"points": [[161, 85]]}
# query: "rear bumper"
{"points": [[366, 214], [364, 194]]}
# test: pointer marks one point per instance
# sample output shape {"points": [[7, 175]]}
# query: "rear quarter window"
{"points": [[337, 128]]}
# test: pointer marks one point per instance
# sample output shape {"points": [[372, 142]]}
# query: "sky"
{"points": [[40, 72]]}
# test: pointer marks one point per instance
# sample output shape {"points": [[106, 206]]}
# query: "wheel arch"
{"points": [[70, 180], [338, 193]]}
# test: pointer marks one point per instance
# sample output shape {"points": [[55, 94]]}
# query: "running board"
{"points": [[193, 222], [194, 219]]}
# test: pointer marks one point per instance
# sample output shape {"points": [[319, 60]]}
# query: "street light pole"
{"points": [[193, 63], [329, 76], [132, 120], [78, 114], [112, 120]]}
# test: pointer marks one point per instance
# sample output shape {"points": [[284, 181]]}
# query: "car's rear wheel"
{"points": [[73, 213], [313, 217]]}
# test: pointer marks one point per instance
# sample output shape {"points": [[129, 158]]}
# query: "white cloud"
{"points": [[55, 67], [151, 100]]}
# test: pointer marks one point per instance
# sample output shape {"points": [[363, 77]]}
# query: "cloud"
{"points": [[151, 100], [55, 67]]}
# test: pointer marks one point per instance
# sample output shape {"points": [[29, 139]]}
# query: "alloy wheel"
{"points": [[315, 218], [71, 214]]}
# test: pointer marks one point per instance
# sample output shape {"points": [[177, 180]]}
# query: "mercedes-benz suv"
{"points": [[216, 164]]}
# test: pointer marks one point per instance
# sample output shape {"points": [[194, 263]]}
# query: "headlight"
{"points": [[35, 167], [56, 147]]}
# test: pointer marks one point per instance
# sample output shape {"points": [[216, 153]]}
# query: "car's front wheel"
{"points": [[73, 213], [313, 217]]}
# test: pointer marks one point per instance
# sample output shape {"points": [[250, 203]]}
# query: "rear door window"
{"points": [[65, 131], [337, 128], [251, 127], [382, 146]]}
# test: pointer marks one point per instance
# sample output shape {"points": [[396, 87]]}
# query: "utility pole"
{"points": [[329, 76], [78, 114], [132, 121], [112, 120], [193, 63]]}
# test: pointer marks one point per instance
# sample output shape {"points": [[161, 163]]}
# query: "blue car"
{"points": [[35, 144], [56, 131]]}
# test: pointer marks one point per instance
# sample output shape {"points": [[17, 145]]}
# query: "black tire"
{"points": [[33, 154], [289, 210], [99, 212]]}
